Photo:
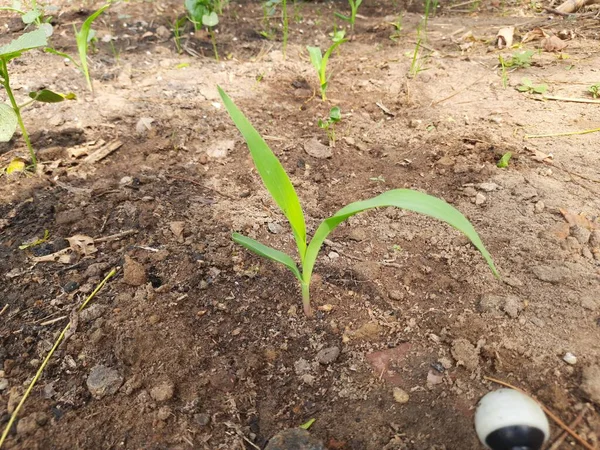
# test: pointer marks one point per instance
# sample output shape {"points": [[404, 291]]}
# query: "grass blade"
{"points": [[267, 252], [315, 58], [401, 198], [272, 173]]}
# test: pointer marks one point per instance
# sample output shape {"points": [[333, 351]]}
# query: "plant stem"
{"points": [[285, 26], [214, 42], [6, 83], [306, 299]]}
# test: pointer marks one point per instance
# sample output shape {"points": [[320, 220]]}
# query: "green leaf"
{"points": [[271, 172], [401, 198], [308, 424], [503, 163], [196, 9], [47, 96], [30, 16], [210, 20], [343, 17], [316, 57], [27, 41], [267, 252], [335, 114], [540, 88], [8, 122]]}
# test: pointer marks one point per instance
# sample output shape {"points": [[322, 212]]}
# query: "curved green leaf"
{"points": [[8, 122], [401, 198], [48, 96], [210, 20], [267, 252], [315, 58], [271, 172], [27, 41]]}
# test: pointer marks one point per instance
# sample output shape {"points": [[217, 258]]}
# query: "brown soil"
{"points": [[210, 340]]}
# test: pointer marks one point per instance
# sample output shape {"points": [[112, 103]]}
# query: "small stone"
{"points": [[582, 234], [570, 358], [415, 123], [512, 306], [480, 199], [446, 363], [591, 383], [220, 149], [153, 319], [357, 234], [396, 295], [202, 419], [274, 227], [163, 413], [134, 273], [163, 391], [317, 150], [488, 187], [434, 377], [328, 355], [465, 353], [302, 366], [163, 32], [3, 384], [366, 270], [333, 255], [28, 424], [103, 381], [294, 439], [539, 207], [400, 395]]}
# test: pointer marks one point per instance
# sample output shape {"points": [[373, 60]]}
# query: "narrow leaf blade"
{"points": [[405, 199], [271, 172], [267, 252], [48, 96], [316, 57]]}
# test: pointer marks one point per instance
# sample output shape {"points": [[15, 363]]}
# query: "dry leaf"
{"points": [[64, 256], [505, 37], [77, 152], [534, 35], [540, 156], [577, 219], [553, 44], [83, 245]]}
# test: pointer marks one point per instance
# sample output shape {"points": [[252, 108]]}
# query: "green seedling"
{"points": [[395, 36], [354, 5], [306, 425], [328, 124], [280, 187], [319, 61], [178, 28], [529, 87], [416, 65], [503, 163], [10, 114], [84, 36], [211, 20], [269, 8], [594, 89], [206, 13], [35, 241], [515, 61], [33, 15]]}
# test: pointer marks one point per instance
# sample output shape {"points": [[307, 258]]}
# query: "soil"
{"points": [[197, 343]]}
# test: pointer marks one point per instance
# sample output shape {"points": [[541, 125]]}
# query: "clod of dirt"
{"points": [[551, 274], [396, 295], [202, 419], [366, 270], [103, 381], [434, 378], [163, 413], [220, 149], [223, 380], [328, 355], [465, 354], [302, 366], [177, 228], [134, 273], [480, 199], [3, 384], [317, 150], [591, 383], [400, 395], [582, 234], [163, 392], [28, 424], [369, 331], [294, 439], [512, 306], [357, 234]]}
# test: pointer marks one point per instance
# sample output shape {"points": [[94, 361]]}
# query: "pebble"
{"points": [[103, 381], [274, 227], [400, 395], [302, 366], [294, 439], [582, 234], [220, 149], [570, 358], [163, 391], [134, 273], [512, 306], [357, 234], [92, 312], [465, 354], [328, 355], [333, 255], [488, 187], [480, 199], [539, 207], [434, 378], [396, 295], [3, 384], [591, 383], [163, 32], [366, 270], [28, 424], [317, 150]]}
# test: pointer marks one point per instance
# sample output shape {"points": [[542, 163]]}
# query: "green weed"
{"points": [[328, 124], [278, 184], [594, 89], [529, 87], [354, 5], [503, 163], [319, 61]]}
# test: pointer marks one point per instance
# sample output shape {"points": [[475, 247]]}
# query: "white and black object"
{"points": [[509, 420]]}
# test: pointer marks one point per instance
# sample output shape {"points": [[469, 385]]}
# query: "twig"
{"points": [[568, 99], [566, 133], [38, 374], [550, 414], [4, 309], [51, 321], [116, 237], [558, 442]]}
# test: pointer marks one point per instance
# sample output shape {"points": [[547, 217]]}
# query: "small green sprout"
{"points": [[328, 124], [319, 61], [35, 241], [278, 183], [354, 5], [515, 61], [269, 8], [306, 425], [397, 29], [178, 27], [594, 89], [10, 115], [205, 13], [84, 37], [529, 87], [503, 163]]}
